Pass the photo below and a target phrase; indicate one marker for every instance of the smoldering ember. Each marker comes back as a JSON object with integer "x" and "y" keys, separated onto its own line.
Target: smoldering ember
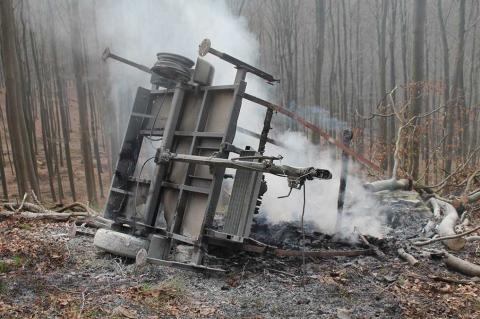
{"x": 239, "y": 159}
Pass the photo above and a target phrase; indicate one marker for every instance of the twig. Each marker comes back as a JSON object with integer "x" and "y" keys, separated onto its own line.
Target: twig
{"x": 407, "y": 257}
{"x": 81, "y": 205}
{"x": 459, "y": 168}
{"x": 243, "y": 269}
{"x": 375, "y": 249}
{"x": 35, "y": 199}
{"x": 434, "y": 240}
{"x": 470, "y": 180}
{"x": 367, "y": 118}
{"x": 281, "y": 272}
{"x": 23, "y": 202}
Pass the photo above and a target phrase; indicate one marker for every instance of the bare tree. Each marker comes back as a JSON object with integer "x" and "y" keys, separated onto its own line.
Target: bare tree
{"x": 416, "y": 91}
{"x": 78, "y": 68}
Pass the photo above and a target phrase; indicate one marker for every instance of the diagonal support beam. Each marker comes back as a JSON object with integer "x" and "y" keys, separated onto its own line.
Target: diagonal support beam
{"x": 314, "y": 128}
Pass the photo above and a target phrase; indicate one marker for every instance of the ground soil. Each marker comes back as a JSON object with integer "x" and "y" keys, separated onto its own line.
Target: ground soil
{"x": 47, "y": 273}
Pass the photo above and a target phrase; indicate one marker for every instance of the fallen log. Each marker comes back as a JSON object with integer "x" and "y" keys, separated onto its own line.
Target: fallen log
{"x": 388, "y": 184}
{"x": 407, "y": 257}
{"x": 447, "y": 226}
{"x": 473, "y": 197}
{"x": 39, "y": 216}
{"x": 434, "y": 240}
{"x": 77, "y": 204}
{"x": 81, "y": 218}
{"x": 373, "y": 248}
{"x": 472, "y": 238}
{"x": 462, "y": 266}
{"x": 26, "y": 206}
{"x": 95, "y": 222}
{"x": 437, "y": 213}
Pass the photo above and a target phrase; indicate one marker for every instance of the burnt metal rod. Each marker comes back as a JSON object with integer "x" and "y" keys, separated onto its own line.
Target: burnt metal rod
{"x": 206, "y": 47}
{"x": 253, "y": 134}
{"x": 107, "y": 54}
{"x": 266, "y": 128}
{"x": 346, "y": 139}
{"x": 284, "y": 170}
{"x": 314, "y": 128}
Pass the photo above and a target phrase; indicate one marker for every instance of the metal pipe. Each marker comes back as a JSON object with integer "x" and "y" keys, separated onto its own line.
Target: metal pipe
{"x": 107, "y": 54}
{"x": 206, "y": 47}
{"x": 264, "y": 166}
{"x": 253, "y": 134}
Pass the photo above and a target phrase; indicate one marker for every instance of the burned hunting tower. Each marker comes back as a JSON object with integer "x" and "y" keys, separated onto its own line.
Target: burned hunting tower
{"x": 192, "y": 125}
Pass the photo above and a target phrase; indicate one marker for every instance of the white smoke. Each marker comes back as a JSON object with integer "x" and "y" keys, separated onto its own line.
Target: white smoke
{"x": 139, "y": 29}
{"x": 361, "y": 213}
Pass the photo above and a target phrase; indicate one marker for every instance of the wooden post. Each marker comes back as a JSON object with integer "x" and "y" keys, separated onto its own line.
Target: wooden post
{"x": 347, "y": 138}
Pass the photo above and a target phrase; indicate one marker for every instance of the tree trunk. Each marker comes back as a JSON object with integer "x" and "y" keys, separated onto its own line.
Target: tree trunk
{"x": 382, "y": 80}
{"x": 78, "y": 68}
{"x": 319, "y": 55}
{"x": 24, "y": 170}
{"x": 419, "y": 19}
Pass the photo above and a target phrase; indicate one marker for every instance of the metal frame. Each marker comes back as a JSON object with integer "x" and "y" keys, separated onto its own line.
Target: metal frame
{"x": 196, "y": 133}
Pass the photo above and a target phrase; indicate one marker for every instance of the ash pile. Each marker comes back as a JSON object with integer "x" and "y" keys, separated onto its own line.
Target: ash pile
{"x": 405, "y": 215}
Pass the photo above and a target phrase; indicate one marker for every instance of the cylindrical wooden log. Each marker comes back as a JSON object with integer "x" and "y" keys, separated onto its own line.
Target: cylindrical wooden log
{"x": 437, "y": 213}
{"x": 388, "y": 184}
{"x": 447, "y": 226}
{"x": 474, "y": 197}
{"x": 462, "y": 266}
{"x": 347, "y": 138}
{"x": 407, "y": 257}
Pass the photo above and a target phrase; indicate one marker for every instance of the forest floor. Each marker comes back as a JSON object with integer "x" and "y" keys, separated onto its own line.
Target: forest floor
{"x": 45, "y": 272}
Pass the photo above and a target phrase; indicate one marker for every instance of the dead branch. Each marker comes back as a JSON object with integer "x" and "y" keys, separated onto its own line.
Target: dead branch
{"x": 322, "y": 253}
{"x": 373, "y": 115}
{"x": 454, "y": 281}
{"x": 31, "y": 211}
{"x": 39, "y": 216}
{"x": 472, "y": 238}
{"x": 388, "y": 184}
{"x": 437, "y": 213}
{"x": 462, "y": 266}
{"x": 27, "y": 206}
{"x": 23, "y": 202}
{"x": 434, "y": 240}
{"x": 374, "y": 248}
{"x": 436, "y": 149}
{"x": 447, "y": 226}
{"x": 78, "y": 204}
{"x": 407, "y": 257}
{"x": 445, "y": 279}
{"x": 443, "y": 182}
{"x": 470, "y": 181}
{"x": 393, "y": 183}
{"x": 475, "y": 196}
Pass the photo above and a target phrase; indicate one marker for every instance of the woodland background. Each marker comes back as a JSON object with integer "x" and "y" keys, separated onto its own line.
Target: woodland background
{"x": 378, "y": 67}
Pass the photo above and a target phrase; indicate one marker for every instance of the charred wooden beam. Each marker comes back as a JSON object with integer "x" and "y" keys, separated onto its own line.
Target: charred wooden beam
{"x": 347, "y": 138}
{"x": 314, "y": 128}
